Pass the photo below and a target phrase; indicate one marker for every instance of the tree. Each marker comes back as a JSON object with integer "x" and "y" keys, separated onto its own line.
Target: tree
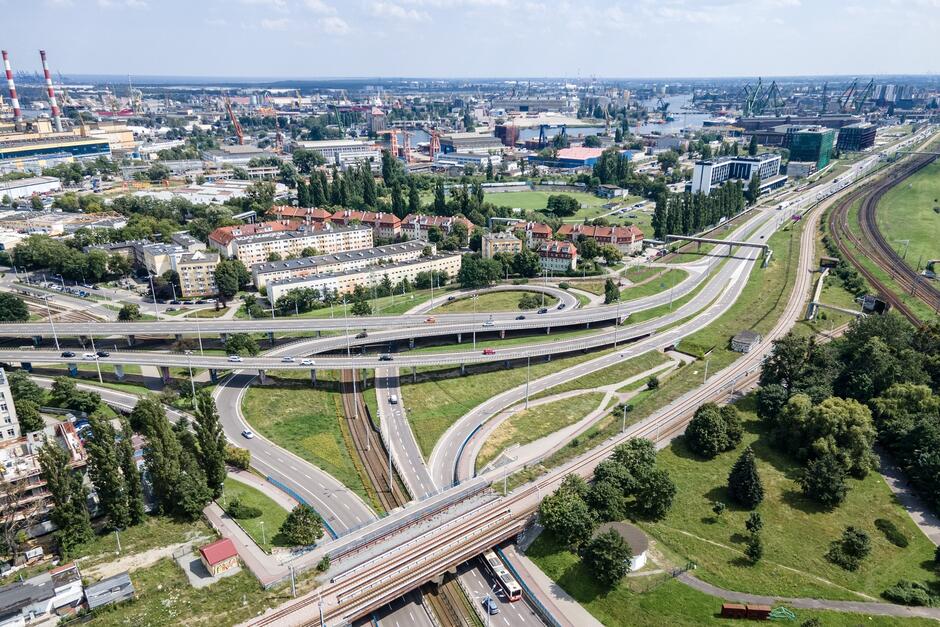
{"x": 211, "y": 439}
{"x": 713, "y": 430}
{"x": 718, "y": 508}
{"x": 824, "y": 481}
{"x": 104, "y": 470}
{"x": 65, "y": 393}
{"x": 611, "y": 254}
{"x": 606, "y": 498}
{"x": 566, "y": 515}
{"x": 754, "y": 550}
{"x": 752, "y": 193}
{"x": 770, "y": 400}
{"x": 529, "y": 301}
{"x": 588, "y": 248}
{"x": 608, "y": 558}
{"x": 563, "y": 205}
{"x": 12, "y": 308}
{"x": 752, "y": 146}
{"x": 744, "y": 484}
{"x": 302, "y": 527}
{"x": 655, "y": 491}
{"x": 652, "y": 383}
{"x": 592, "y": 141}
{"x": 69, "y": 514}
{"x": 241, "y": 344}
{"x": 307, "y": 160}
{"x": 162, "y": 454}
{"x": 476, "y": 272}
{"x": 667, "y": 159}
{"x": 27, "y": 414}
{"x": 526, "y": 263}
{"x": 361, "y": 307}
{"x": 231, "y": 275}
{"x": 849, "y": 550}
{"x": 24, "y": 388}
{"x": 135, "y": 496}
{"x": 611, "y": 291}
{"x": 129, "y": 311}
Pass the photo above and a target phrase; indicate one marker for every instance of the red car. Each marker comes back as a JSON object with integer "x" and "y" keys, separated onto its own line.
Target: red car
{"x": 489, "y": 351}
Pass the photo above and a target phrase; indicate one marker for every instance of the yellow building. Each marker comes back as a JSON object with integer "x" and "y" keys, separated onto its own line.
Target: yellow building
{"x": 504, "y": 242}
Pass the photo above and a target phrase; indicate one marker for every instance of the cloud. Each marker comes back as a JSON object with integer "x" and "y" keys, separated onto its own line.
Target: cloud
{"x": 318, "y": 6}
{"x": 130, "y": 4}
{"x": 394, "y": 11}
{"x": 277, "y": 4}
{"x": 334, "y": 25}
{"x": 279, "y": 24}
{"x": 59, "y": 3}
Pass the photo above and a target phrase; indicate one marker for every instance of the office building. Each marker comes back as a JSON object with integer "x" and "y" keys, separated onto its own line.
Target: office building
{"x": 558, "y": 256}
{"x": 343, "y": 151}
{"x": 347, "y": 261}
{"x": 711, "y": 173}
{"x": 346, "y": 282}
{"x": 812, "y": 144}
{"x": 856, "y": 137}
{"x": 503, "y": 242}
{"x": 627, "y": 239}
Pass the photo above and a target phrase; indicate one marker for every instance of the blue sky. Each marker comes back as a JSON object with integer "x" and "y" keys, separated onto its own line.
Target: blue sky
{"x": 453, "y": 38}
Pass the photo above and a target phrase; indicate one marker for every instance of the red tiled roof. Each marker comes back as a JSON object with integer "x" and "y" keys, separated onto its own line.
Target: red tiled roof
{"x": 559, "y": 248}
{"x": 440, "y": 221}
{"x": 366, "y": 217}
{"x": 218, "y": 551}
{"x": 536, "y": 228}
{"x": 579, "y": 152}
{"x": 300, "y": 212}
{"x": 225, "y": 234}
{"x": 625, "y": 233}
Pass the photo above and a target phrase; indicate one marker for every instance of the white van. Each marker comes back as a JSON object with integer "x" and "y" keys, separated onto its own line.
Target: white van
{"x": 393, "y": 399}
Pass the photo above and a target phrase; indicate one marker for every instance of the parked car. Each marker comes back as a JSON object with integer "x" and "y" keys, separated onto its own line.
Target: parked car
{"x": 234, "y": 358}
{"x": 103, "y": 354}
{"x": 248, "y": 433}
{"x": 489, "y": 351}
{"x": 307, "y": 362}
{"x": 287, "y": 360}
{"x": 68, "y": 354}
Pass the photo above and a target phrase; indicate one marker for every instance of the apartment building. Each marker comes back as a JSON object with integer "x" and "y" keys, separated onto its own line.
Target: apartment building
{"x": 307, "y": 215}
{"x": 262, "y": 273}
{"x": 558, "y": 256}
{"x": 534, "y": 233}
{"x": 223, "y": 238}
{"x": 9, "y": 425}
{"x": 627, "y": 239}
{"x": 197, "y": 272}
{"x": 503, "y": 242}
{"x": 326, "y": 240}
{"x": 417, "y": 225}
{"x": 385, "y": 225}
{"x": 345, "y": 282}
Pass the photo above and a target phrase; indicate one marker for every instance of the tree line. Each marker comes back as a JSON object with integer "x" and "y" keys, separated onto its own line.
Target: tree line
{"x": 685, "y": 213}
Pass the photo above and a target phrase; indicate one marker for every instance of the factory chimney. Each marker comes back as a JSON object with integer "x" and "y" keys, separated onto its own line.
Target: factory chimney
{"x": 56, "y": 114}
{"x": 14, "y": 101}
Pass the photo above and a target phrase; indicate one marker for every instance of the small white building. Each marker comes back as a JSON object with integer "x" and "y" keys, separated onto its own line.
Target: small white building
{"x": 461, "y": 159}
{"x": 633, "y": 536}
{"x": 25, "y": 188}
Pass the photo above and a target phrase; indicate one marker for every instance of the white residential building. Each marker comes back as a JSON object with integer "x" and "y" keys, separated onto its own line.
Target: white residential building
{"x": 9, "y": 425}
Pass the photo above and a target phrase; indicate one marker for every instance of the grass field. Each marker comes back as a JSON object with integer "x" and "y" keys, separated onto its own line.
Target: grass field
{"x": 591, "y": 205}
{"x": 528, "y": 425}
{"x": 385, "y": 306}
{"x": 658, "y": 600}
{"x": 610, "y": 375}
{"x": 911, "y": 211}
{"x": 667, "y": 281}
{"x": 492, "y": 301}
{"x": 208, "y": 313}
{"x": 272, "y": 515}
{"x": 434, "y": 405}
{"x": 797, "y": 532}
{"x": 308, "y": 422}
{"x": 509, "y": 342}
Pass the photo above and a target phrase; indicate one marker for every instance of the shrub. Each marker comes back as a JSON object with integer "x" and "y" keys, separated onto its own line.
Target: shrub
{"x": 909, "y": 593}
{"x": 755, "y": 548}
{"x": 849, "y": 550}
{"x": 324, "y": 564}
{"x": 238, "y": 510}
{"x": 652, "y": 383}
{"x": 237, "y": 456}
{"x": 564, "y": 285}
{"x": 892, "y": 533}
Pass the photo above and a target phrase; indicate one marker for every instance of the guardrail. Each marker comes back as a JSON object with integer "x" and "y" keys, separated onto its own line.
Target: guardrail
{"x": 290, "y": 492}
{"x": 540, "y": 609}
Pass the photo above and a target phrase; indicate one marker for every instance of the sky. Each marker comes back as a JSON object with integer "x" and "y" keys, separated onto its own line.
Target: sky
{"x": 474, "y": 38}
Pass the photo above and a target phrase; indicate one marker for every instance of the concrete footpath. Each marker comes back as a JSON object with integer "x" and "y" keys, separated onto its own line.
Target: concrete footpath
{"x": 262, "y": 565}
{"x": 265, "y": 487}
{"x": 927, "y": 521}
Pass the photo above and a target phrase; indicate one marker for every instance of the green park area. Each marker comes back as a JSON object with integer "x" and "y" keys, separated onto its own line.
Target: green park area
{"x": 908, "y": 216}
{"x": 608, "y": 376}
{"x": 591, "y": 206}
{"x": 654, "y": 284}
{"x": 495, "y": 301}
{"x": 309, "y": 422}
{"x": 263, "y": 527}
{"x": 528, "y": 425}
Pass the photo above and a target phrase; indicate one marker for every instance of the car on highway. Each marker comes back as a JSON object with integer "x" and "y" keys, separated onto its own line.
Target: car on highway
{"x": 489, "y": 323}
{"x": 430, "y": 320}
{"x": 287, "y": 360}
{"x": 362, "y": 335}
{"x": 543, "y": 310}
{"x": 520, "y": 317}
{"x": 248, "y": 434}
{"x": 489, "y": 351}
{"x": 307, "y": 362}
{"x": 89, "y": 356}
{"x": 234, "y": 358}
{"x": 561, "y": 306}
{"x": 385, "y": 357}
{"x": 103, "y": 354}
{"x": 68, "y": 354}
{"x": 450, "y": 298}
{"x": 393, "y": 399}
{"x": 489, "y": 604}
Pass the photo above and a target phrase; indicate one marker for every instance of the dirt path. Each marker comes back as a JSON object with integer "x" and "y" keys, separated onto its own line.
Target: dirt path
{"x": 139, "y": 560}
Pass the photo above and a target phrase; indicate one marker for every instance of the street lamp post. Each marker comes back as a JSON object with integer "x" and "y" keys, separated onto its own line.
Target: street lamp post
{"x": 153, "y": 294}
{"x": 192, "y": 382}
{"x": 528, "y": 367}
{"x": 55, "y": 336}
{"x": 263, "y": 538}
{"x": 623, "y": 425}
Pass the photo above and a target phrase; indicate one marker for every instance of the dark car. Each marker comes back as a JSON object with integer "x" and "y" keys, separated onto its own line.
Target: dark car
{"x": 361, "y": 335}
{"x": 561, "y": 305}
{"x": 543, "y": 310}
{"x": 385, "y": 357}
{"x": 68, "y": 354}
{"x": 103, "y": 354}
{"x": 520, "y": 317}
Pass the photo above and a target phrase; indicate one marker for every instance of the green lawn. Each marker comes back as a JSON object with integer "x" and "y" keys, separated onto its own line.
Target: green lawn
{"x": 209, "y": 313}
{"x": 911, "y": 211}
{"x": 385, "y": 306}
{"x": 667, "y": 281}
{"x": 492, "y": 301}
{"x": 309, "y": 422}
{"x": 434, "y": 405}
{"x": 658, "y": 600}
{"x": 640, "y": 273}
{"x": 797, "y": 532}
{"x": 509, "y": 342}
{"x": 610, "y": 375}
{"x": 272, "y": 516}
{"x": 594, "y": 287}
{"x": 536, "y": 201}
{"x": 528, "y": 425}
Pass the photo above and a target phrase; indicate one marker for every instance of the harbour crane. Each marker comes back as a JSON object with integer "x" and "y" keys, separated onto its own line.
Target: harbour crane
{"x": 235, "y": 123}
{"x": 825, "y": 98}
{"x": 859, "y": 101}
{"x": 847, "y": 96}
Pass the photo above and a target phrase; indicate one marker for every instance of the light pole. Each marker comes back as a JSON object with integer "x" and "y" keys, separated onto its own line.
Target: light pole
{"x": 263, "y": 538}
{"x": 192, "y": 382}
{"x": 98, "y": 366}
{"x": 153, "y": 294}
{"x": 706, "y": 372}
{"x": 623, "y": 424}
{"x": 199, "y": 334}
{"x": 474, "y": 297}
{"x": 55, "y": 336}
{"x": 528, "y": 367}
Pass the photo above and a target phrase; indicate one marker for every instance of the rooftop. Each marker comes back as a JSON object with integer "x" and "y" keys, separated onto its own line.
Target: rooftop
{"x": 218, "y": 551}
{"x": 377, "y": 270}
{"x": 579, "y": 152}
{"x": 633, "y": 536}
{"x": 33, "y": 180}
{"x": 379, "y": 252}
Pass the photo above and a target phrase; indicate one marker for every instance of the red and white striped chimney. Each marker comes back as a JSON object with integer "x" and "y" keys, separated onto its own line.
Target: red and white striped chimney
{"x": 14, "y": 101}
{"x": 56, "y": 114}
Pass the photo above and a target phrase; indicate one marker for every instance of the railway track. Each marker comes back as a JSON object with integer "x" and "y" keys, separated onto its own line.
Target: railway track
{"x": 873, "y": 244}
{"x": 445, "y": 600}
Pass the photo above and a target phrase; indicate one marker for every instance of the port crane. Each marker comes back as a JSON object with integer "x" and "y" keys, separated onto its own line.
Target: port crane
{"x": 235, "y": 123}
